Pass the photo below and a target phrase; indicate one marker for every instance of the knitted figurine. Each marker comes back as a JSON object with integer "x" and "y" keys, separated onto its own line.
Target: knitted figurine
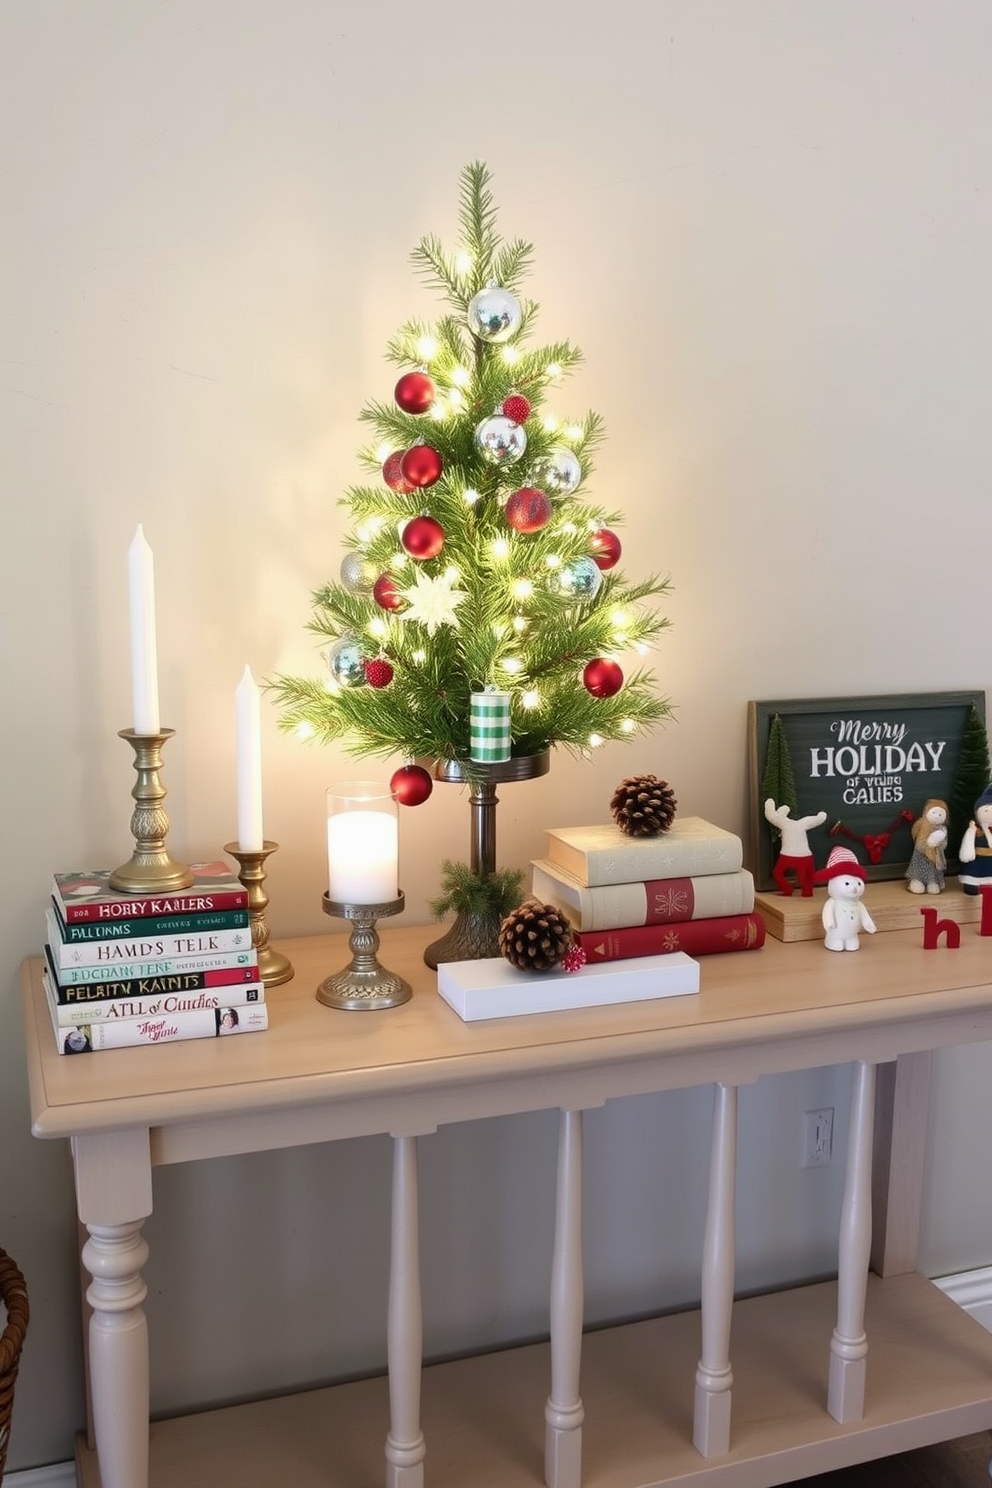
{"x": 926, "y": 866}
{"x": 843, "y": 913}
{"x": 795, "y": 856}
{"x": 975, "y": 852}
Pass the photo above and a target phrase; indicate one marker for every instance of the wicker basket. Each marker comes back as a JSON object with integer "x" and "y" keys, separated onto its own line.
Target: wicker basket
{"x": 14, "y": 1295}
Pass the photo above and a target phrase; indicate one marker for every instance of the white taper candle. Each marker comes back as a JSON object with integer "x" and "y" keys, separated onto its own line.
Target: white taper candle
{"x": 144, "y": 663}
{"x": 249, "y": 755}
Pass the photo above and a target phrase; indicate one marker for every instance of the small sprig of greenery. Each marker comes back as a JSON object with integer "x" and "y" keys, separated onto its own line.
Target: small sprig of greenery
{"x": 466, "y": 892}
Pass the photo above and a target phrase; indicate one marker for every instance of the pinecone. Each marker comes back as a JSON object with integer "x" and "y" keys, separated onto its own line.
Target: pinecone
{"x": 643, "y": 806}
{"x": 535, "y": 936}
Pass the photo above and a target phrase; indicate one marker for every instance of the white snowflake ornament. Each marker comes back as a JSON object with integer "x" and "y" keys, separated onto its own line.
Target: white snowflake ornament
{"x": 432, "y": 601}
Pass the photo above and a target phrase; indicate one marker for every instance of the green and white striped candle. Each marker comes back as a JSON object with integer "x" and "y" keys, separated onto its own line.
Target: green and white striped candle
{"x": 489, "y": 727}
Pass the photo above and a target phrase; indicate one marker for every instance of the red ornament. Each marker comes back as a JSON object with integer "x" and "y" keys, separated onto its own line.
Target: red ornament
{"x": 604, "y": 546}
{"x": 378, "y": 672}
{"x": 573, "y": 960}
{"x": 392, "y": 474}
{"x": 411, "y": 785}
{"x": 422, "y": 537}
{"x": 517, "y": 408}
{"x": 602, "y": 678}
{"x": 414, "y": 392}
{"x": 421, "y": 465}
{"x": 386, "y": 594}
{"x": 528, "y": 510}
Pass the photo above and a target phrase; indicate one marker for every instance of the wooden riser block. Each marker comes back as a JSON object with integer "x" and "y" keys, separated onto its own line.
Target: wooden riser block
{"x": 890, "y": 905}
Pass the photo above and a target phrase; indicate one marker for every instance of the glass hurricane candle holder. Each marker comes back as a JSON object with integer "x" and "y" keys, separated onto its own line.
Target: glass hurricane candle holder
{"x": 362, "y": 867}
{"x": 362, "y": 843}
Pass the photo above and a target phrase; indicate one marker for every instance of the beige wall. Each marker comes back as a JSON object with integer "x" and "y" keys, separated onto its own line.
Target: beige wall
{"x": 768, "y": 224}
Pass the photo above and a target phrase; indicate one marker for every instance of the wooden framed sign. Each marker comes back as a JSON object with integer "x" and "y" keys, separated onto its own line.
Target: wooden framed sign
{"x": 871, "y": 763}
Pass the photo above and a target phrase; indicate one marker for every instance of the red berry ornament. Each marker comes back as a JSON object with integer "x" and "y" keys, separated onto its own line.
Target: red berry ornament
{"x": 528, "y": 510}
{"x": 605, "y": 549}
{"x": 378, "y": 672}
{"x": 423, "y": 537}
{"x": 414, "y": 392}
{"x": 573, "y": 960}
{"x": 386, "y": 594}
{"x": 411, "y": 785}
{"x": 602, "y": 678}
{"x": 392, "y": 474}
{"x": 421, "y": 465}
{"x": 517, "y": 408}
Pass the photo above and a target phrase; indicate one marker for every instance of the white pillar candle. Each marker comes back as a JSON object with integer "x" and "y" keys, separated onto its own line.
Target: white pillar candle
{"x": 144, "y": 664}
{"x": 247, "y": 701}
{"x": 362, "y": 857}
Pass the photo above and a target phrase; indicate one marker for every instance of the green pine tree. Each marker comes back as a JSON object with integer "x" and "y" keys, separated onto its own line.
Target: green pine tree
{"x": 778, "y": 780}
{"x": 472, "y": 552}
{"x": 970, "y": 778}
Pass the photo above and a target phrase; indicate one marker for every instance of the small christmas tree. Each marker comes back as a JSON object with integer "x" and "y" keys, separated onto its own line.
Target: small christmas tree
{"x": 778, "y": 780}
{"x": 970, "y": 778}
{"x": 475, "y": 559}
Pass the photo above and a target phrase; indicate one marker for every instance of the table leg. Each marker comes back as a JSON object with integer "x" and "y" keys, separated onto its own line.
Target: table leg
{"x": 113, "y": 1194}
{"x": 405, "y": 1446}
{"x": 849, "y": 1345}
{"x": 714, "y": 1377}
{"x": 564, "y": 1412}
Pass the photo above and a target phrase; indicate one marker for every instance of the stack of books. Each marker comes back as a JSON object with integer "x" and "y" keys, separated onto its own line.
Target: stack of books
{"x": 684, "y": 890}
{"x": 127, "y": 969}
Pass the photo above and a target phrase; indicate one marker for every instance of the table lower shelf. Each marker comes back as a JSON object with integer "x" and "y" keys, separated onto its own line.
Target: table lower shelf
{"x": 929, "y": 1380}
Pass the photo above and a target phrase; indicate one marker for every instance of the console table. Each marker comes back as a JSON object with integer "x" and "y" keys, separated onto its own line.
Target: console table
{"x": 744, "y": 1394}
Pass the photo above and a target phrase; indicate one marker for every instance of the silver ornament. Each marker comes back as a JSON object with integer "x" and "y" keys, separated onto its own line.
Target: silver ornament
{"x": 580, "y": 579}
{"x": 344, "y": 663}
{"x": 358, "y": 574}
{"x": 500, "y": 441}
{"x": 494, "y": 314}
{"x": 560, "y": 471}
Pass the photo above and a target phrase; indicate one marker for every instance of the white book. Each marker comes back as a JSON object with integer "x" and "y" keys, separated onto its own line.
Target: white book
{"x": 167, "y": 1004}
{"x": 122, "y": 1033}
{"x": 603, "y": 854}
{"x": 492, "y": 988}
{"x": 656, "y": 902}
{"x": 74, "y": 976}
{"x": 121, "y": 953}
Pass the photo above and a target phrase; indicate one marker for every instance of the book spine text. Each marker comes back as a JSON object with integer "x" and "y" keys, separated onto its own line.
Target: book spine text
{"x": 225, "y": 919}
{"x": 109, "y": 911}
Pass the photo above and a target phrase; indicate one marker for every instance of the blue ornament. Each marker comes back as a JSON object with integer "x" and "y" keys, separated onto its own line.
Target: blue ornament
{"x": 344, "y": 663}
{"x": 581, "y": 579}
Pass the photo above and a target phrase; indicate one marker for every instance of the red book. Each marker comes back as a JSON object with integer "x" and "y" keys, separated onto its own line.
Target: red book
{"x": 745, "y": 932}
{"x": 84, "y": 898}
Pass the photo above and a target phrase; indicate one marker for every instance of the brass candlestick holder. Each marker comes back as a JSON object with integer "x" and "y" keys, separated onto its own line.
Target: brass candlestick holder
{"x": 364, "y": 984}
{"x": 150, "y": 869}
{"x": 274, "y": 968}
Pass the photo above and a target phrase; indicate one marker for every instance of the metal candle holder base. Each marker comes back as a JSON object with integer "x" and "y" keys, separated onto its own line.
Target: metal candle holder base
{"x": 363, "y": 984}
{"x": 150, "y": 869}
{"x": 474, "y": 937}
{"x": 273, "y": 967}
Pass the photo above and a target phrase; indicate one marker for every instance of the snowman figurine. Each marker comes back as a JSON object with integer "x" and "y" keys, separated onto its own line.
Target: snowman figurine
{"x": 844, "y": 915}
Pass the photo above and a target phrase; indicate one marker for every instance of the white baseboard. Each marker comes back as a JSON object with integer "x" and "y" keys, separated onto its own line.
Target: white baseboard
{"x": 971, "y": 1290}
{"x": 59, "y": 1475}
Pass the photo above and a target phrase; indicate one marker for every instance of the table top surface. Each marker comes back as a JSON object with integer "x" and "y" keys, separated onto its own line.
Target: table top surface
{"x": 808, "y": 1005}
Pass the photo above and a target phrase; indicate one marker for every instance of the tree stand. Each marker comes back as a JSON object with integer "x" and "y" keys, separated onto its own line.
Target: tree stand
{"x": 475, "y": 936}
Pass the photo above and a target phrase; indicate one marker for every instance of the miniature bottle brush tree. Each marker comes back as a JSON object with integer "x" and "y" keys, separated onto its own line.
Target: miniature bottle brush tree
{"x": 475, "y": 558}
